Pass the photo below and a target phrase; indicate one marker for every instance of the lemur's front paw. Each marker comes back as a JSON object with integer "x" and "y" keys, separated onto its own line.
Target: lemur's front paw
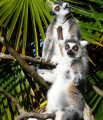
{"x": 55, "y": 63}
{"x": 77, "y": 81}
{"x": 38, "y": 57}
{"x": 42, "y": 58}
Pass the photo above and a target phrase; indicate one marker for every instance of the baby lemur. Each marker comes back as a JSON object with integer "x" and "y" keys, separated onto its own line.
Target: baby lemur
{"x": 66, "y": 95}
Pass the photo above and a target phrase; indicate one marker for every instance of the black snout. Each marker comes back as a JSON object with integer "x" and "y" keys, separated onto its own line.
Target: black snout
{"x": 70, "y": 53}
{"x": 52, "y": 13}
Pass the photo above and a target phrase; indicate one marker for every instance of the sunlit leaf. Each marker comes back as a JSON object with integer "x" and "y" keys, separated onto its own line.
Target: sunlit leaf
{"x": 25, "y": 26}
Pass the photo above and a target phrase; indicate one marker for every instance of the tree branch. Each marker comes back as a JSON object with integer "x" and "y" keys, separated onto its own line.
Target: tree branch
{"x": 29, "y": 69}
{"x": 96, "y": 89}
{"x": 28, "y": 58}
{"x": 24, "y": 114}
{"x": 13, "y": 100}
{"x": 35, "y": 115}
{"x": 36, "y": 61}
{"x": 87, "y": 113}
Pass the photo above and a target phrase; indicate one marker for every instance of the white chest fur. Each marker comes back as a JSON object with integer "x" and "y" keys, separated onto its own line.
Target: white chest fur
{"x": 66, "y": 35}
{"x": 65, "y": 30}
{"x": 57, "y": 95}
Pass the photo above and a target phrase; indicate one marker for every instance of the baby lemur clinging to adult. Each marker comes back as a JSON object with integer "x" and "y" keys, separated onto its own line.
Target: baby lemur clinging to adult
{"x": 66, "y": 95}
{"x": 62, "y": 17}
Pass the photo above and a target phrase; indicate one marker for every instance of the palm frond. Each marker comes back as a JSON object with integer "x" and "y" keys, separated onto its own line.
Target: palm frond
{"x": 15, "y": 14}
{"x": 15, "y": 83}
{"x": 94, "y": 100}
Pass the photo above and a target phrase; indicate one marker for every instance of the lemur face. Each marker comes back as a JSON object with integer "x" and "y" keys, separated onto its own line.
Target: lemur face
{"x": 60, "y": 8}
{"x": 73, "y": 48}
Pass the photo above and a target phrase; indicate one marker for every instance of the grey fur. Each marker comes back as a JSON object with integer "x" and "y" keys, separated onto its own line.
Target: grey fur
{"x": 67, "y": 74}
{"x": 72, "y": 41}
{"x": 66, "y": 95}
{"x": 69, "y": 28}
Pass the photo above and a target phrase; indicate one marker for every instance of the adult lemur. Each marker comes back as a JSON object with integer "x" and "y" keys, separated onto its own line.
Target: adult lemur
{"x": 66, "y": 95}
{"x": 62, "y": 17}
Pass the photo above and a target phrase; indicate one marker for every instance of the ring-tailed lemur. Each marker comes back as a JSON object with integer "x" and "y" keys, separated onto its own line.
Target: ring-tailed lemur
{"x": 66, "y": 95}
{"x": 62, "y": 17}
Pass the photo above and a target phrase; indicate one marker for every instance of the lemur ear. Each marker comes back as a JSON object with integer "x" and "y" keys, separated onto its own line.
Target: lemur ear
{"x": 61, "y": 42}
{"x": 84, "y": 43}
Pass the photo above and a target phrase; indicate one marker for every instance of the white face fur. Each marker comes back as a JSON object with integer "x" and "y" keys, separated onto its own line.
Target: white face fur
{"x": 72, "y": 50}
{"x": 61, "y": 10}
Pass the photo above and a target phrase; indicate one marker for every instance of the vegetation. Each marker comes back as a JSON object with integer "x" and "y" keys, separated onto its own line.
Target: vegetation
{"x": 26, "y": 22}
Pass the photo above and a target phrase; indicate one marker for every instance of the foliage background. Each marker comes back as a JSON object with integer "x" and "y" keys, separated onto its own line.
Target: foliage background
{"x": 26, "y": 22}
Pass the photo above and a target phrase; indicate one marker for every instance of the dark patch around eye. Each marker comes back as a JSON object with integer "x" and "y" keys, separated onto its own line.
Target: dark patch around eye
{"x": 57, "y": 8}
{"x": 75, "y": 48}
{"x": 67, "y": 46}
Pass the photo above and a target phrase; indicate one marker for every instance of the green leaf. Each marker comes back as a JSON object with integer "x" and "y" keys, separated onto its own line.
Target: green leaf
{"x": 37, "y": 17}
{"x": 34, "y": 29}
{"x": 89, "y": 26}
{"x": 25, "y": 26}
{"x": 97, "y": 1}
{"x": 96, "y": 17}
{"x": 13, "y": 81}
{"x": 41, "y": 14}
{"x": 19, "y": 29}
{"x": 46, "y": 13}
{"x": 84, "y": 32}
{"x": 6, "y": 10}
{"x": 85, "y": 12}
{"x": 77, "y": 2}
{"x": 14, "y": 20}
{"x": 91, "y": 40}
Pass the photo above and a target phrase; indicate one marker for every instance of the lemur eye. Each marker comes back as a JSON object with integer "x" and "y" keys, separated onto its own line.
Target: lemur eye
{"x": 67, "y": 46}
{"x": 57, "y": 8}
{"x": 75, "y": 47}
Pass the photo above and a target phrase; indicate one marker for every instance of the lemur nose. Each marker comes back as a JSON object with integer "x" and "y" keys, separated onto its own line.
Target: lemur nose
{"x": 70, "y": 53}
{"x": 52, "y": 13}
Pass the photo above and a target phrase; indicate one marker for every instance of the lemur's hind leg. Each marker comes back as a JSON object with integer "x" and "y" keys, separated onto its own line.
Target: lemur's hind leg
{"x": 71, "y": 113}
